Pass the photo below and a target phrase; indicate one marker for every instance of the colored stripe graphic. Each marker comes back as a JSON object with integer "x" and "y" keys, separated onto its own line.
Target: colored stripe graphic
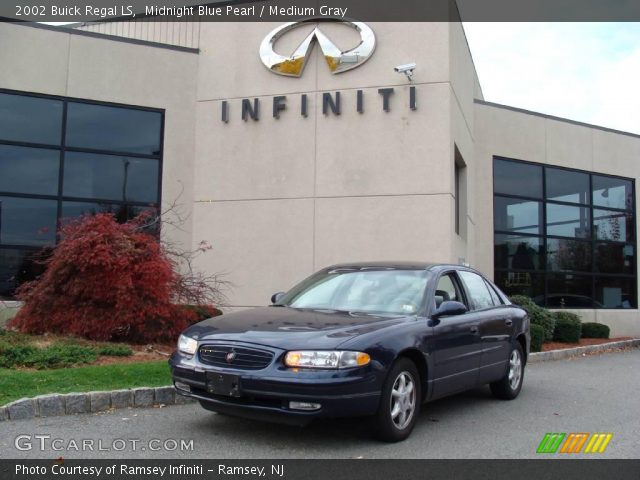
{"x": 598, "y": 443}
{"x": 550, "y": 443}
{"x": 573, "y": 442}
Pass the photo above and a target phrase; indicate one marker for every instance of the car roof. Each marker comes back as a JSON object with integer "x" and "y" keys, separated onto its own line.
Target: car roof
{"x": 400, "y": 265}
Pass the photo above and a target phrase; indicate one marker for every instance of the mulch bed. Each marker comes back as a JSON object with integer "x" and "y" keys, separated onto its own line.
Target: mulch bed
{"x": 583, "y": 343}
{"x": 141, "y": 353}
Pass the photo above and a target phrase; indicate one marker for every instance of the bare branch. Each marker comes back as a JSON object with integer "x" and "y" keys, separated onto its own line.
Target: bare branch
{"x": 192, "y": 286}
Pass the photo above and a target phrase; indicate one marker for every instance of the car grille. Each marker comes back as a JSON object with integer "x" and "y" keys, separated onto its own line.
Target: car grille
{"x": 235, "y": 357}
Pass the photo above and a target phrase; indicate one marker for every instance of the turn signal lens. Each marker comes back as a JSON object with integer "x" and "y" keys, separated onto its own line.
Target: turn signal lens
{"x": 354, "y": 359}
{"x": 326, "y": 359}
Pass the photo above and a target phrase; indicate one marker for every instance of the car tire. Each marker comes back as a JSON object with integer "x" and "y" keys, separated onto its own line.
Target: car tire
{"x": 399, "y": 403}
{"x": 509, "y": 386}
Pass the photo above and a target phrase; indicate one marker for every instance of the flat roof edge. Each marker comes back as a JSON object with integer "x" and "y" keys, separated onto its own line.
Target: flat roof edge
{"x": 113, "y": 38}
{"x": 553, "y": 117}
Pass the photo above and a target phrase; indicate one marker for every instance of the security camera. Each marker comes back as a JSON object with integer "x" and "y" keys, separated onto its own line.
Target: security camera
{"x": 407, "y": 69}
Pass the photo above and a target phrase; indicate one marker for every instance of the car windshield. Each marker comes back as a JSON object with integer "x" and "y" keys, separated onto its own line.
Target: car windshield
{"x": 388, "y": 291}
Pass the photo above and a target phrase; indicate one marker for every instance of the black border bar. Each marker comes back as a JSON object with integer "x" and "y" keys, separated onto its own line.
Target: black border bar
{"x": 80, "y": 11}
{"x": 565, "y": 469}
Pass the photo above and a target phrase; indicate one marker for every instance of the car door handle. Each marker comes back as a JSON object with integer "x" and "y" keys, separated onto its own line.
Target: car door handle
{"x": 474, "y": 329}
{"x": 508, "y": 322}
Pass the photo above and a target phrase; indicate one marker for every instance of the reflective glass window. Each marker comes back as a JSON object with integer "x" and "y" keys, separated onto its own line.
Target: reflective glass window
{"x": 27, "y": 221}
{"x": 567, "y": 186}
{"x": 101, "y": 127}
{"x": 517, "y": 215}
{"x": 612, "y": 192}
{"x": 122, "y": 213}
{"x": 515, "y": 178}
{"x": 29, "y": 170}
{"x": 570, "y": 291}
{"x": 612, "y": 225}
{"x": 18, "y": 266}
{"x": 568, "y": 255}
{"x": 568, "y": 221}
{"x": 615, "y": 292}
{"x": 30, "y": 119}
{"x": 614, "y": 258}
{"x": 110, "y": 177}
{"x": 518, "y": 252}
{"x": 522, "y": 283}
{"x": 580, "y": 237}
{"x": 110, "y": 159}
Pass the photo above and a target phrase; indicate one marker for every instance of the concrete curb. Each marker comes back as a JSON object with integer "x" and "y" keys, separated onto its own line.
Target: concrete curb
{"x": 52, "y": 405}
{"x": 579, "y": 351}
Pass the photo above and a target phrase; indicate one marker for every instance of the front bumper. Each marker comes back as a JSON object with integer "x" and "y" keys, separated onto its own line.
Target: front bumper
{"x": 266, "y": 394}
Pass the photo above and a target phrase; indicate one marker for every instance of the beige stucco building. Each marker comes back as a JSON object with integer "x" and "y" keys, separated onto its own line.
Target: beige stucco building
{"x": 279, "y": 198}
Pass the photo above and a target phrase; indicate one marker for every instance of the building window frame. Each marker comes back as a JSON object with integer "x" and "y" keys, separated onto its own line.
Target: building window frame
{"x": 544, "y": 270}
{"x": 62, "y": 149}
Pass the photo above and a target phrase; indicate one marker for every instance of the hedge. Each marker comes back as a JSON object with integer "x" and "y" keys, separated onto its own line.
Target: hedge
{"x": 568, "y": 327}
{"x": 537, "y": 315}
{"x": 537, "y": 337}
{"x": 595, "y": 330}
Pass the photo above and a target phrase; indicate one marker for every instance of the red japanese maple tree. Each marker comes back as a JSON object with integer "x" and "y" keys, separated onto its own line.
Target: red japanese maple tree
{"x": 106, "y": 280}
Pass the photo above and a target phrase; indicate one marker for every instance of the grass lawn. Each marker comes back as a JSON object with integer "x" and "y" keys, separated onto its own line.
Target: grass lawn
{"x": 15, "y": 384}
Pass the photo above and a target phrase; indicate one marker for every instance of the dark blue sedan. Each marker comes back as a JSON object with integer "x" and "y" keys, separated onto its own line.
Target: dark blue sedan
{"x": 368, "y": 339}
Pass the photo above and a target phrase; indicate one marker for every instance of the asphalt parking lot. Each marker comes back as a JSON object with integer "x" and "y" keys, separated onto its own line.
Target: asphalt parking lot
{"x": 588, "y": 394}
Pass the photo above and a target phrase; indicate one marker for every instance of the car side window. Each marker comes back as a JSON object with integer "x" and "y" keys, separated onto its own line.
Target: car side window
{"x": 494, "y": 295}
{"x": 447, "y": 290}
{"x": 478, "y": 291}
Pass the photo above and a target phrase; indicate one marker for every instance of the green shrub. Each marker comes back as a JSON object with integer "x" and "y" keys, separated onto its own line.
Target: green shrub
{"x": 60, "y": 356}
{"x": 12, "y": 355}
{"x": 521, "y": 300}
{"x": 53, "y": 356}
{"x": 568, "y": 327}
{"x": 595, "y": 330}
{"x": 537, "y": 315}
{"x": 114, "y": 350}
{"x": 537, "y": 337}
{"x": 13, "y": 337}
{"x": 22, "y": 350}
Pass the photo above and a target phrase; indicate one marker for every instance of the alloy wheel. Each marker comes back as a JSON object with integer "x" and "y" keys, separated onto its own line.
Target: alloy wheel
{"x": 403, "y": 400}
{"x": 515, "y": 369}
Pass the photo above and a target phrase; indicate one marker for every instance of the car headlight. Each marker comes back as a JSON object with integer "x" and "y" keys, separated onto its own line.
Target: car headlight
{"x": 326, "y": 359}
{"x": 187, "y": 345}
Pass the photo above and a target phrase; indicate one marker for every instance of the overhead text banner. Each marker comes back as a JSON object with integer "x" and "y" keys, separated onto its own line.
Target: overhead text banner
{"x": 291, "y": 10}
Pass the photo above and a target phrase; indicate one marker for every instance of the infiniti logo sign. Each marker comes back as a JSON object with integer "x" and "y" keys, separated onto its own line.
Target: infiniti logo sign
{"x": 330, "y": 103}
{"x": 337, "y": 60}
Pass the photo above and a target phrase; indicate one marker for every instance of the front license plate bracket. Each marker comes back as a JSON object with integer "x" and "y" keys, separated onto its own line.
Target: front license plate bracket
{"x": 223, "y": 384}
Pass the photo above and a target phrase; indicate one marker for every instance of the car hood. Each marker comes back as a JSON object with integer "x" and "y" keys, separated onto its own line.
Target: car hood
{"x": 291, "y": 328}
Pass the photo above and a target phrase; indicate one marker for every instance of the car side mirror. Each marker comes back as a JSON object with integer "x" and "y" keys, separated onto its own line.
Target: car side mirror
{"x": 449, "y": 308}
{"x": 275, "y": 298}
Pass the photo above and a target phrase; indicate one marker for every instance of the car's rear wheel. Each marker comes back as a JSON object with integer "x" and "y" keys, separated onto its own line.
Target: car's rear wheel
{"x": 399, "y": 403}
{"x": 509, "y": 386}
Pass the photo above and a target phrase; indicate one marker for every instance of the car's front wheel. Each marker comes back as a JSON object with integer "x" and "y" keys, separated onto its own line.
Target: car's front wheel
{"x": 509, "y": 386}
{"x": 399, "y": 403}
